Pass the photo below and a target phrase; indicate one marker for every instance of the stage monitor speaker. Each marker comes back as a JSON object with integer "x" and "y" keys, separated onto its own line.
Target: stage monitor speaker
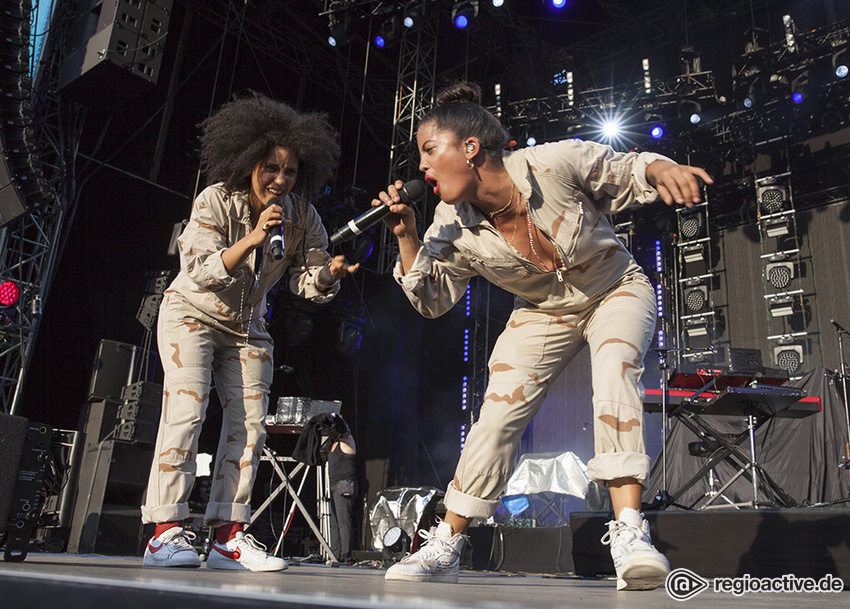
{"x": 521, "y": 549}
{"x": 117, "y": 365}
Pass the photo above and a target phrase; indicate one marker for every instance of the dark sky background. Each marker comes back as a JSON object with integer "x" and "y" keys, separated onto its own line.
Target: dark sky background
{"x": 401, "y": 389}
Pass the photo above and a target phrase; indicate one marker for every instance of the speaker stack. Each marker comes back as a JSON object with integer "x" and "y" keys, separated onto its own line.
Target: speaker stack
{"x": 120, "y": 422}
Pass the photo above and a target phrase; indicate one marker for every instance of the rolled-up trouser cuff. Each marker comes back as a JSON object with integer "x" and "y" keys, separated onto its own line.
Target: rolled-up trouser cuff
{"x": 610, "y": 466}
{"x": 467, "y": 505}
{"x": 165, "y": 513}
{"x": 227, "y": 512}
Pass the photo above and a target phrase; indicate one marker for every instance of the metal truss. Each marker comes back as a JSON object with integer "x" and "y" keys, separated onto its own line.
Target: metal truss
{"x": 30, "y": 246}
{"x": 415, "y": 86}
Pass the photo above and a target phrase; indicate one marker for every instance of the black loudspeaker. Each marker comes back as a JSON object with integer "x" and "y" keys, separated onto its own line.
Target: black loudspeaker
{"x": 521, "y": 549}
{"x": 120, "y": 425}
{"x": 115, "y": 50}
{"x": 13, "y": 431}
{"x": 12, "y": 203}
{"x": 117, "y": 365}
{"x": 27, "y": 447}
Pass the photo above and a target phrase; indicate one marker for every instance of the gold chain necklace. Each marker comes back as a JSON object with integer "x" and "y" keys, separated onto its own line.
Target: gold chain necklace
{"x": 536, "y": 255}
{"x": 505, "y": 208}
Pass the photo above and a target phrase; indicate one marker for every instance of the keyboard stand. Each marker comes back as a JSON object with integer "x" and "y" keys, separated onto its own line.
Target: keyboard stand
{"x": 758, "y": 409}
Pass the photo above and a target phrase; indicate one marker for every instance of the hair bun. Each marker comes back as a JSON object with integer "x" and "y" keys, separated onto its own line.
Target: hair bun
{"x": 459, "y": 93}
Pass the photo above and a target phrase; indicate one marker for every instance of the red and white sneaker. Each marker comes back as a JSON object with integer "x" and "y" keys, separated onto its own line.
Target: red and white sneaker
{"x": 173, "y": 548}
{"x": 243, "y": 553}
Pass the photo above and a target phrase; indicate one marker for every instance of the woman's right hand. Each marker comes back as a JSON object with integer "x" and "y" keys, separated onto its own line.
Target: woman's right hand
{"x": 401, "y": 221}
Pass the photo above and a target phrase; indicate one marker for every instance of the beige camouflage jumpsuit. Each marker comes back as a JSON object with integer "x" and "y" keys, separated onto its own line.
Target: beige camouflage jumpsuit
{"x": 599, "y": 297}
{"x": 211, "y": 326}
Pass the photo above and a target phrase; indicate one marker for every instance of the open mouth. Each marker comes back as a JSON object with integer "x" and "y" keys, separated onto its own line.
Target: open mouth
{"x": 433, "y": 183}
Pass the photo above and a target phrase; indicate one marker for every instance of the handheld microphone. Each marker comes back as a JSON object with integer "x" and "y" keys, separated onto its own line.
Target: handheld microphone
{"x": 410, "y": 193}
{"x": 277, "y": 236}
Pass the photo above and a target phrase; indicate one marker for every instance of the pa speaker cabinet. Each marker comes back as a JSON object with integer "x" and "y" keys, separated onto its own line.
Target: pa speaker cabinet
{"x": 521, "y": 549}
{"x": 116, "y": 365}
{"x": 13, "y": 432}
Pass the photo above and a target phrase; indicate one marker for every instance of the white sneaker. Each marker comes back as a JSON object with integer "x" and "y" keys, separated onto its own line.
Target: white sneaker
{"x": 438, "y": 560}
{"x": 243, "y": 553}
{"x": 172, "y": 548}
{"x": 638, "y": 564}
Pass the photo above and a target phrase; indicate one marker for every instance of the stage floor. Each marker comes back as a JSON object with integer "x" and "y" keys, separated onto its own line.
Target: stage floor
{"x": 67, "y": 581}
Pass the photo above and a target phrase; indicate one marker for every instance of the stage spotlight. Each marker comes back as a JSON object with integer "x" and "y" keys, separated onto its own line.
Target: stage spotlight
{"x": 611, "y": 128}
{"x": 772, "y": 197}
{"x": 559, "y": 3}
{"x": 779, "y": 274}
{"x": 9, "y": 294}
{"x": 387, "y": 32}
{"x": 657, "y": 132}
{"x": 463, "y": 13}
{"x": 788, "y": 357}
{"x": 691, "y": 224}
{"x": 839, "y": 64}
{"x": 414, "y": 12}
{"x": 350, "y": 335}
{"x": 396, "y": 545}
{"x": 531, "y": 141}
{"x": 695, "y": 298}
{"x": 498, "y": 3}
{"x": 341, "y": 34}
{"x": 690, "y": 109}
{"x": 800, "y": 88}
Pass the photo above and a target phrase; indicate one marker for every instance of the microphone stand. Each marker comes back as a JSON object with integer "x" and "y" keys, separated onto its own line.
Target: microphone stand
{"x": 845, "y": 461}
{"x": 662, "y": 497}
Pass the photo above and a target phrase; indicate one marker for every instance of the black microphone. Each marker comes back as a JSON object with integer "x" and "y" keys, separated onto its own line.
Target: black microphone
{"x": 277, "y": 236}
{"x": 839, "y": 326}
{"x": 410, "y": 193}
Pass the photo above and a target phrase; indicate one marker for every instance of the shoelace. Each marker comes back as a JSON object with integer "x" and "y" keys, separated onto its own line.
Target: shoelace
{"x": 254, "y": 544}
{"x": 182, "y": 539}
{"x": 619, "y": 529}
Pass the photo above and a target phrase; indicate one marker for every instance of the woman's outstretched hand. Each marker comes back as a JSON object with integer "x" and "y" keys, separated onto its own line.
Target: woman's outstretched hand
{"x": 676, "y": 184}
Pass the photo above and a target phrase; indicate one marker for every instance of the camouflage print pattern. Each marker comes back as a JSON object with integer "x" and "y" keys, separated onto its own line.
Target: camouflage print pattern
{"x": 193, "y": 355}
{"x": 600, "y": 296}
{"x": 533, "y": 350}
{"x": 205, "y": 320}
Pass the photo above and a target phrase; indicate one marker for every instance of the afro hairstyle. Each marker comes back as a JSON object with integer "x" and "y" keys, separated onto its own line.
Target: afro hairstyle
{"x": 243, "y": 132}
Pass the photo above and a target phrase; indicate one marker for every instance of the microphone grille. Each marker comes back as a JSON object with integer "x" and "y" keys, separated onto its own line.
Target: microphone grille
{"x": 412, "y": 191}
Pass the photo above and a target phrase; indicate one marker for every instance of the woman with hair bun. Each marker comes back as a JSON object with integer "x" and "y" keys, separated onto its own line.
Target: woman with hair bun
{"x": 532, "y": 222}
{"x": 264, "y": 161}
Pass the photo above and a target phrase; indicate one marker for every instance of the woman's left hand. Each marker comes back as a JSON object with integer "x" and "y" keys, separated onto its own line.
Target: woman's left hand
{"x": 339, "y": 267}
{"x": 335, "y": 270}
{"x": 676, "y": 183}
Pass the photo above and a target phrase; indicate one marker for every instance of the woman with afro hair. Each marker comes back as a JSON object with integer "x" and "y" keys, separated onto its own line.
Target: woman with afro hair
{"x": 264, "y": 161}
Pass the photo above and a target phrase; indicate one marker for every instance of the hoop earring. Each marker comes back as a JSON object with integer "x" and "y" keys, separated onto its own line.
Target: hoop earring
{"x": 470, "y": 164}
